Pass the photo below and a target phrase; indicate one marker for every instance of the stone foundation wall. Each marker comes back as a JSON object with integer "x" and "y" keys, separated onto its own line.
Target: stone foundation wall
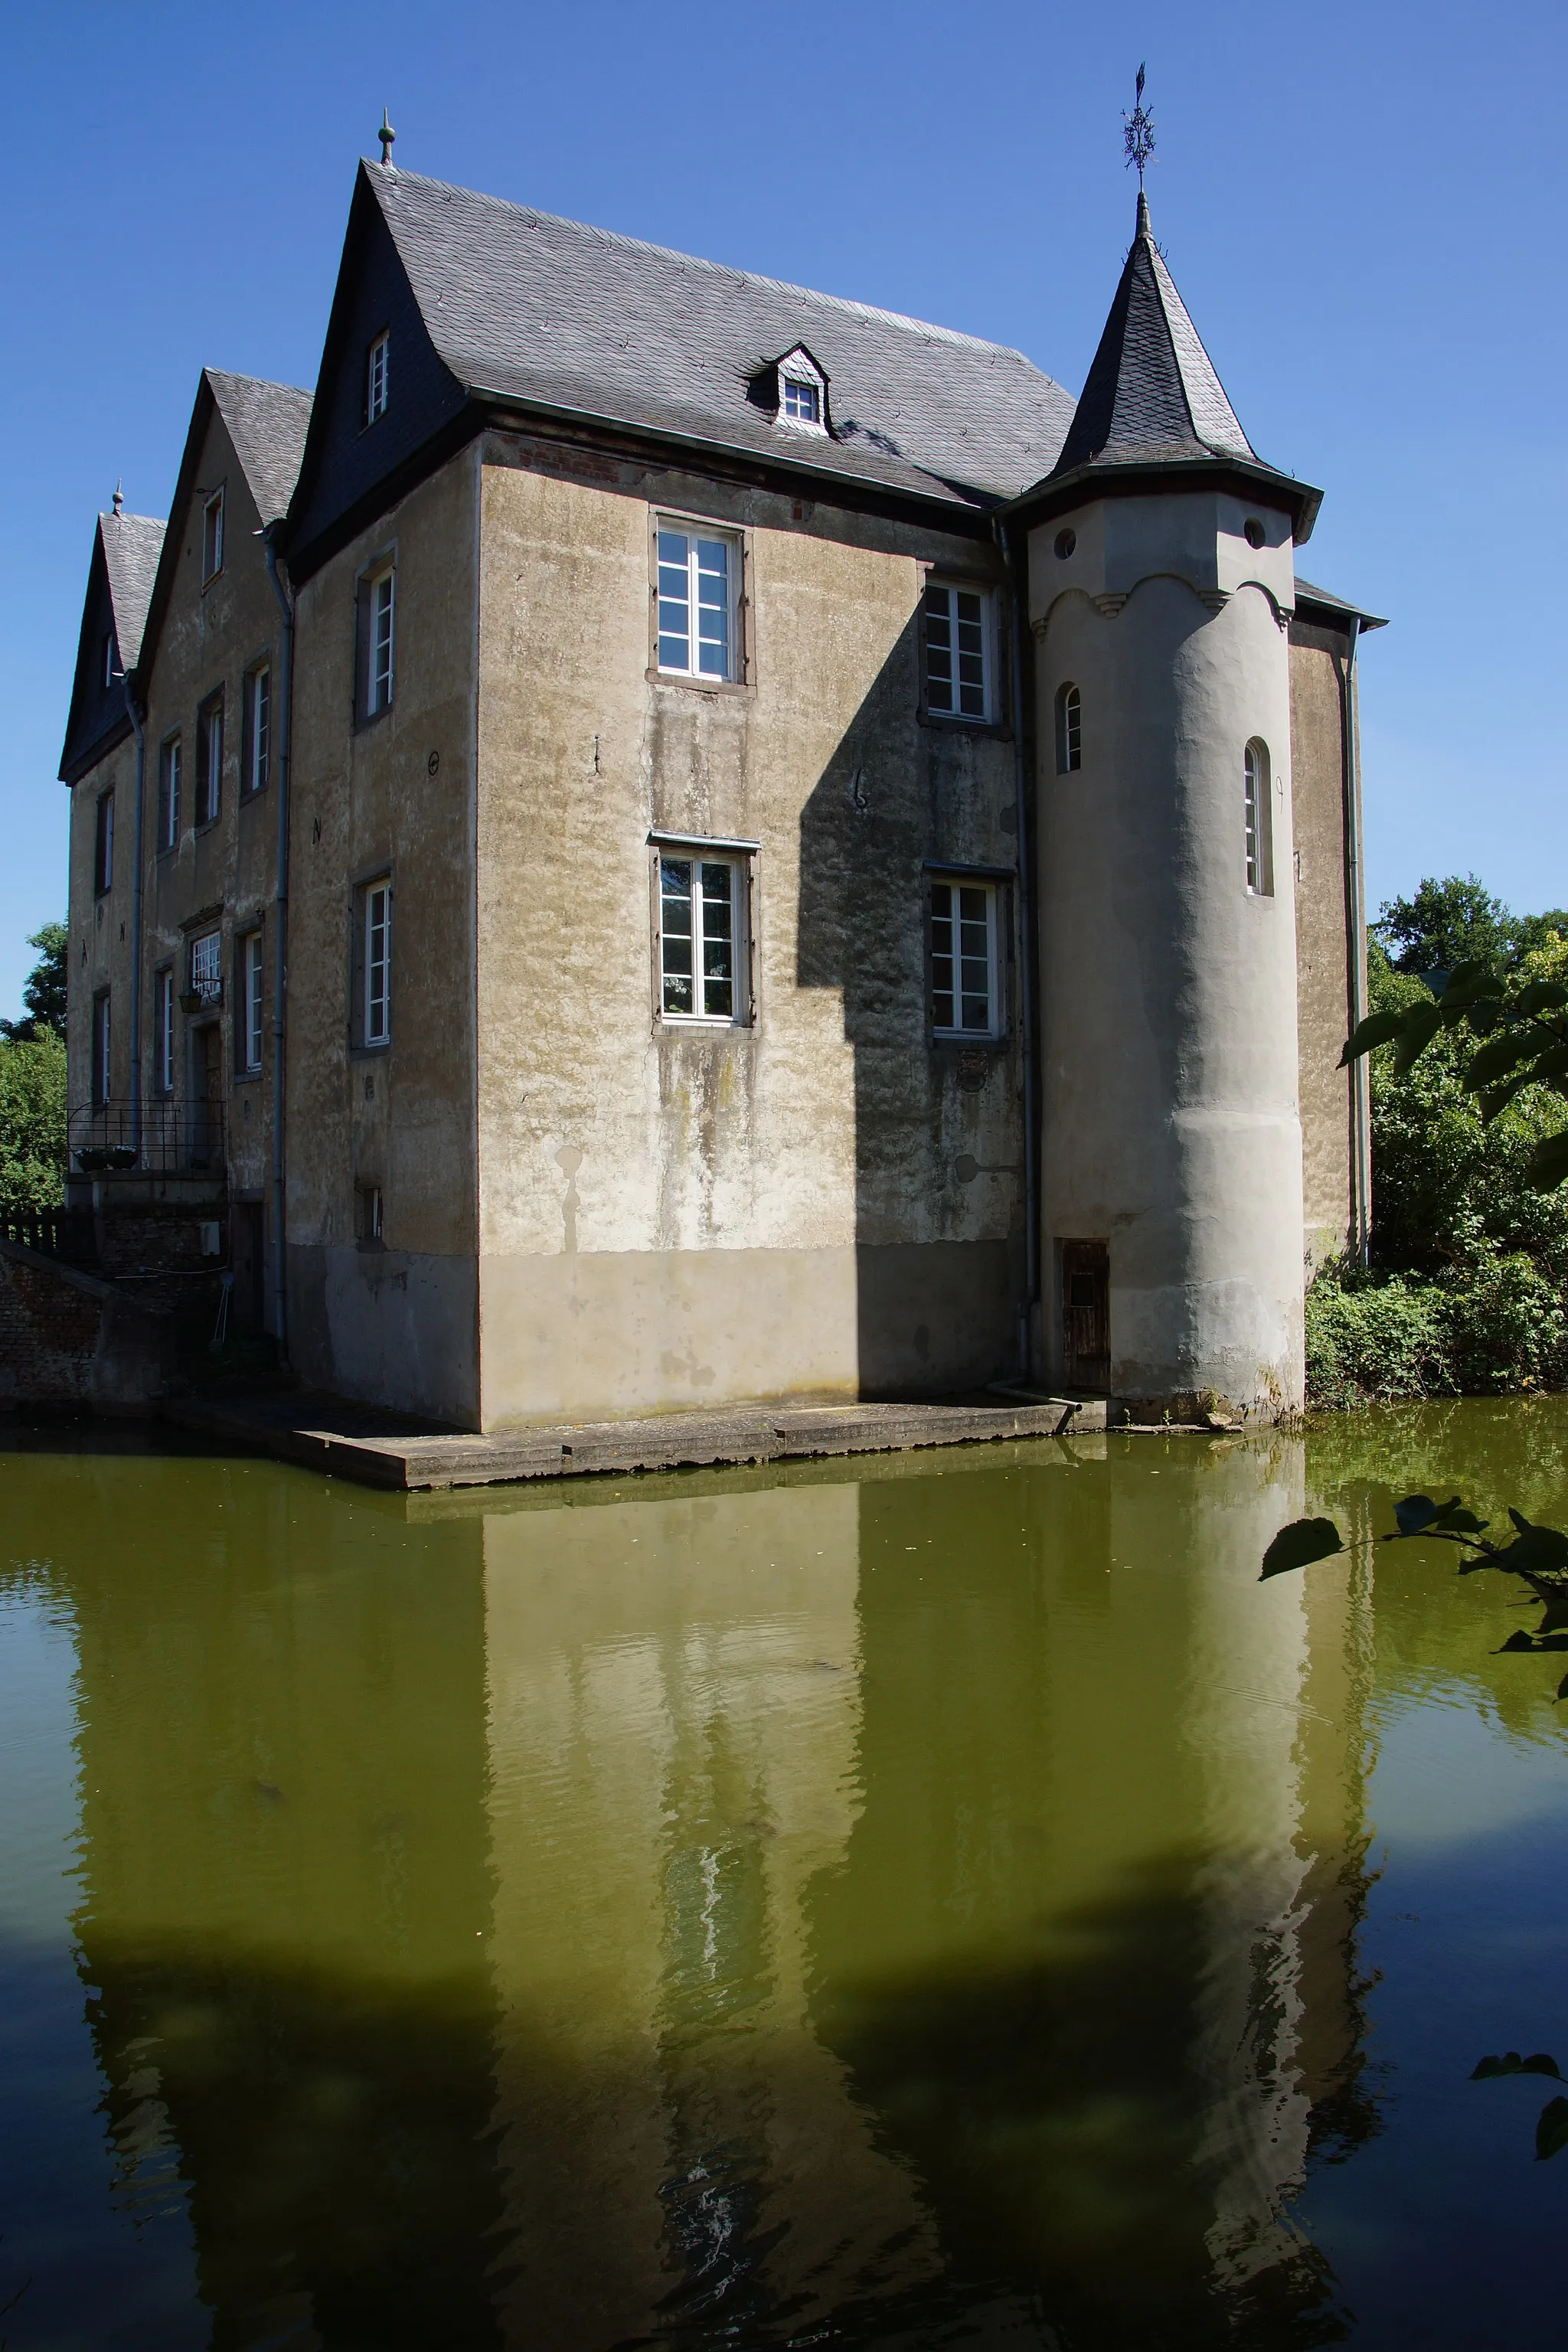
{"x": 69, "y": 1339}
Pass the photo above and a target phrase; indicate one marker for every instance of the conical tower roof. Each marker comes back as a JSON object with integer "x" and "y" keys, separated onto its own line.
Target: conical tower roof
{"x": 1153, "y": 400}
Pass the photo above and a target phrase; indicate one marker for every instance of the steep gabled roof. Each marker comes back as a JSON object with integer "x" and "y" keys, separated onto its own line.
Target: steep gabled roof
{"x": 120, "y": 573}
{"x": 1154, "y": 398}
{"x": 522, "y": 306}
{"x": 266, "y": 424}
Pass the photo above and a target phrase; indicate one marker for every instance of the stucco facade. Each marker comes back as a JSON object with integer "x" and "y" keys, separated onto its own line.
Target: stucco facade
{"x": 987, "y": 1024}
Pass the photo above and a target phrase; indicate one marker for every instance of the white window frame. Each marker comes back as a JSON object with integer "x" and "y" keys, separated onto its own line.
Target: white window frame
{"x": 1069, "y": 729}
{"x": 1258, "y": 819}
{"x": 952, "y": 887}
{"x": 701, "y": 858}
{"x": 206, "y": 968}
{"x": 163, "y": 1030}
{"x": 212, "y": 536}
{"x": 375, "y": 965}
{"x": 210, "y": 760}
{"x": 957, "y": 686}
{"x": 253, "y": 987}
{"x": 257, "y": 727}
{"x": 798, "y": 370}
{"x": 378, "y": 376}
{"x": 171, "y": 759}
{"x": 698, "y": 535}
{"x": 380, "y": 640}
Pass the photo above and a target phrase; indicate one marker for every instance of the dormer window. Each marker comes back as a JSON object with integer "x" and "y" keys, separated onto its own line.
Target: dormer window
{"x": 212, "y": 538}
{"x": 801, "y": 393}
{"x": 376, "y": 379}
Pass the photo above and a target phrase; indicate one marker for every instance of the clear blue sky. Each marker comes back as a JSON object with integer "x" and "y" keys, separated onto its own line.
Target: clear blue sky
{"x": 1362, "y": 205}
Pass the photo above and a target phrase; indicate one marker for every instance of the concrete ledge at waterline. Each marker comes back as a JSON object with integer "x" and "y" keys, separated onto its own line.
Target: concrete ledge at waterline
{"x": 70, "y": 1340}
{"x": 354, "y": 1440}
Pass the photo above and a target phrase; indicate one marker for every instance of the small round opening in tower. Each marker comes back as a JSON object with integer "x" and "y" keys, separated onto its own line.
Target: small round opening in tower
{"x": 1256, "y": 534}
{"x": 1066, "y": 542}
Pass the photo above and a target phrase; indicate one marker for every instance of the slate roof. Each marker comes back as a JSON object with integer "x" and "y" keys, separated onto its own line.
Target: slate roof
{"x": 266, "y": 424}
{"x": 521, "y": 305}
{"x": 131, "y": 544}
{"x": 1152, "y": 393}
{"x": 1335, "y": 606}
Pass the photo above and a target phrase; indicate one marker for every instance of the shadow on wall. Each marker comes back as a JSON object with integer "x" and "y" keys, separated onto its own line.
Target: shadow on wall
{"x": 939, "y": 1193}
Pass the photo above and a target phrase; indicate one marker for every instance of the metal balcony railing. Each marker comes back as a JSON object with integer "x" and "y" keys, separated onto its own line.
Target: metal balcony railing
{"x": 157, "y": 1138}
{"x": 57, "y": 1233}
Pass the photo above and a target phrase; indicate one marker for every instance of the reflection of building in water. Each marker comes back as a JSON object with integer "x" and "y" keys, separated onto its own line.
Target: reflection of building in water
{"x": 1091, "y": 1956}
{"x": 729, "y": 1911}
{"x": 681, "y": 2152}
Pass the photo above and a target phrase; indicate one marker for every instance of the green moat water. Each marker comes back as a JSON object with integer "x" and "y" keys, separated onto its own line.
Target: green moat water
{"x": 942, "y": 1900}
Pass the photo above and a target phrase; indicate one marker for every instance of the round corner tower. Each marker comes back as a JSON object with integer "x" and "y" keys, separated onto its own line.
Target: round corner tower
{"x": 1160, "y": 587}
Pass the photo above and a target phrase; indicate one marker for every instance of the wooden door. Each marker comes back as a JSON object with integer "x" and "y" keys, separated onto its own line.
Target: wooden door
{"x": 207, "y": 1110}
{"x": 1085, "y": 1314}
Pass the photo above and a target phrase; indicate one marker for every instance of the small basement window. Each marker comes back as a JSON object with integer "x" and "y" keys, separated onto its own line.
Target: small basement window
{"x": 965, "y": 975}
{"x": 702, "y": 939}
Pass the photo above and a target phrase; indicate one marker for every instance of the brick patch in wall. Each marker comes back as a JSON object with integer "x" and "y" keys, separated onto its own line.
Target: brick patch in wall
{"x": 68, "y": 1338}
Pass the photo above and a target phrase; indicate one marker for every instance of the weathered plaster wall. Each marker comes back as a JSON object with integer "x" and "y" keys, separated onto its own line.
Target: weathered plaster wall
{"x": 223, "y": 871}
{"x": 100, "y": 928}
{"x": 1323, "y": 976}
{"x": 812, "y": 1204}
{"x": 1170, "y": 1121}
{"x": 395, "y": 1321}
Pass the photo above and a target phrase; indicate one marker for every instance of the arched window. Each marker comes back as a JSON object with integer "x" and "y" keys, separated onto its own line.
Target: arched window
{"x": 1259, "y": 820}
{"x": 1069, "y": 730}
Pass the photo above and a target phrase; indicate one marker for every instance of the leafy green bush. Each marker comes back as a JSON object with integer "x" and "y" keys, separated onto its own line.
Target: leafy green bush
{"x": 32, "y": 1122}
{"x": 1367, "y": 1338}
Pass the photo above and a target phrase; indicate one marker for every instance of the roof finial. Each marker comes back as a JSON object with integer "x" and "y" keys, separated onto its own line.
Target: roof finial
{"x": 119, "y": 495}
{"x": 1138, "y": 138}
{"x": 386, "y": 134}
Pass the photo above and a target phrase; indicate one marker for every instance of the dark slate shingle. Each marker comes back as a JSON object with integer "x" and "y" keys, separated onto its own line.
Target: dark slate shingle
{"x": 526, "y": 306}
{"x": 266, "y": 424}
{"x": 1152, "y": 392}
{"x": 131, "y": 544}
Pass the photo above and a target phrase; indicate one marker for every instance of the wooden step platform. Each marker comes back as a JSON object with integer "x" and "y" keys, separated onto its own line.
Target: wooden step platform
{"x": 389, "y": 1449}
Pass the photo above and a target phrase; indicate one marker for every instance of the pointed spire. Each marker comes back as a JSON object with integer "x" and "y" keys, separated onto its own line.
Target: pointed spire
{"x": 1152, "y": 393}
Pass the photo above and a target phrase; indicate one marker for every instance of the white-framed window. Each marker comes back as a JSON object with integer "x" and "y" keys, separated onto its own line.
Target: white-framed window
{"x": 252, "y": 981}
{"x": 368, "y": 1212}
{"x": 109, "y": 665}
{"x": 103, "y": 844}
{"x": 965, "y": 991}
{"x": 212, "y": 536}
{"x": 163, "y": 1030}
{"x": 698, "y": 594}
{"x": 169, "y": 758}
{"x": 1070, "y": 730}
{"x": 375, "y": 1011}
{"x": 377, "y": 379}
{"x": 258, "y": 727}
{"x": 959, "y": 659}
{"x": 101, "y": 1044}
{"x": 703, "y": 945}
{"x": 802, "y": 392}
{"x": 206, "y": 968}
{"x": 210, "y": 760}
{"x": 1257, "y": 820}
{"x": 378, "y": 640}
{"x": 802, "y": 401}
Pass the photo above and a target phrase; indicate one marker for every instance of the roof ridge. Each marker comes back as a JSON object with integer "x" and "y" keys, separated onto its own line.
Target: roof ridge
{"x": 265, "y": 383}
{"x": 158, "y": 523}
{"x": 928, "y": 327}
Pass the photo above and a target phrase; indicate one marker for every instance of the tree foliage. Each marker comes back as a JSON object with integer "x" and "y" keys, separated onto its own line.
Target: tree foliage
{"x": 44, "y": 990}
{"x": 32, "y": 1122}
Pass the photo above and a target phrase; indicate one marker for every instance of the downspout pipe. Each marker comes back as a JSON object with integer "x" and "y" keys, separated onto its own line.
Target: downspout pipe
{"x": 1355, "y": 924}
{"x": 138, "y": 728}
{"x": 285, "y": 736}
{"x": 1019, "y": 587}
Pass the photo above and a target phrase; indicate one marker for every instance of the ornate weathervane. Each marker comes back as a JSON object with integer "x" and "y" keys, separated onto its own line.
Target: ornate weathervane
{"x": 1138, "y": 133}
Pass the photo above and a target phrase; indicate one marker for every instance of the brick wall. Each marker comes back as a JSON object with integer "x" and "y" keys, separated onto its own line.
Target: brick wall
{"x": 67, "y": 1338}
